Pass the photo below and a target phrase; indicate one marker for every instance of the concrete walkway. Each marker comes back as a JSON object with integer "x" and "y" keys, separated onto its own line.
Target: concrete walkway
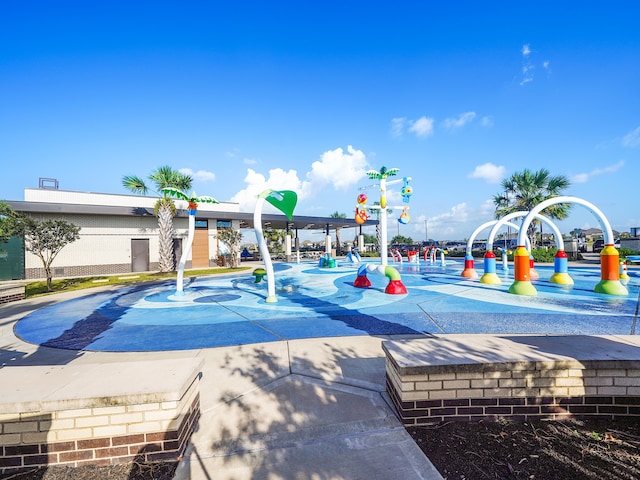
{"x": 299, "y": 409}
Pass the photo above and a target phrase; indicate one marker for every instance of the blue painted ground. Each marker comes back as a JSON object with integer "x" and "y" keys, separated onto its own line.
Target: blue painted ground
{"x": 315, "y": 302}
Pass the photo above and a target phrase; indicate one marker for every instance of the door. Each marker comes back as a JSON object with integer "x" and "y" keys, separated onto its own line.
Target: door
{"x": 200, "y": 248}
{"x": 139, "y": 254}
{"x": 12, "y": 259}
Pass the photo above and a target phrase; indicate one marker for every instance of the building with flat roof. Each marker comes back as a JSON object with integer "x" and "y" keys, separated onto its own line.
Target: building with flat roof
{"x": 119, "y": 233}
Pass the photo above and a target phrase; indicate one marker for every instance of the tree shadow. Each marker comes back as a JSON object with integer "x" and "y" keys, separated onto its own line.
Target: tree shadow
{"x": 315, "y": 417}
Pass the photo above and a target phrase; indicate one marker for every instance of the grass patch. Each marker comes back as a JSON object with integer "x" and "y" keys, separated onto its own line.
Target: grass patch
{"x": 35, "y": 289}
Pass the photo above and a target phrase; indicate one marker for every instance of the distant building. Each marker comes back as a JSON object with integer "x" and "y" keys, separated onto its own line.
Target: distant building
{"x": 119, "y": 233}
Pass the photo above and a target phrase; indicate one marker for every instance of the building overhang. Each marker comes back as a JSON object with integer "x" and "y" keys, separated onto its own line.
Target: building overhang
{"x": 245, "y": 219}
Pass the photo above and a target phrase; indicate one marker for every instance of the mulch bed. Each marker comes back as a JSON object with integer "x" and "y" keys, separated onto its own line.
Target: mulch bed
{"x": 131, "y": 471}
{"x": 560, "y": 450}
{"x": 568, "y": 450}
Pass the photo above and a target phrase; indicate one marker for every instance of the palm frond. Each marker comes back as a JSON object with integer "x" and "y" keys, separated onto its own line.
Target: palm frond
{"x": 205, "y": 199}
{"x": 134, "y": 184}
{"x": 175, "y": 192}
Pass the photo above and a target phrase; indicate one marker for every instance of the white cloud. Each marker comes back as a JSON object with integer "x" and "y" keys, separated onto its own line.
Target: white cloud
{"x": 249, "y": 161}
{"x": 631, "y": 139}
{"x": 585, "y": 177}
{"x": 486, "y": 122}
{"x": 278, "y": 179}
{"x": 489, "y": 172}
{"x": 446, "y": 225}
{"x": 397, "y": 126}
{"x": 458, "y": 214}
{"x": 487, "y": 207}
{"x": 458, "y": 223}
{"x": 423, "y": 127}
{"x": 527, "y": 74}
{"x": 233, "y": 152}
{"x": 461, "y": 121}
{"x": 200, "y": 175}
{"x": 394, "y": 197}
{"x": 580, "y": 178}
{"x": 529, "y": 64}
{"x": 336, "y": 168}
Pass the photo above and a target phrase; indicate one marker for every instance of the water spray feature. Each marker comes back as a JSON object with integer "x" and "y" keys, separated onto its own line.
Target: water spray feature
{"x": 285, "y": 201}
{"x": 609, "y": 259}
{"x": 193, "y": 200}
{"x": 406, "y": 192}
{"x": 560, "y": 275}
{"x": 395, "y": 282}
{"x": 314, "y": 302}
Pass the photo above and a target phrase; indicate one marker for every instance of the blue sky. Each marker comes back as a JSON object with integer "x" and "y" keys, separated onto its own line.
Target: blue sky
{"x": 307, "y": 96}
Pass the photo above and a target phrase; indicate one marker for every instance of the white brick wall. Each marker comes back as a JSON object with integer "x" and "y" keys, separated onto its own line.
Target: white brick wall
{"x": 100, "y": 435}
{"x": 534, "y": 382}
{"x": 425, "y": 389}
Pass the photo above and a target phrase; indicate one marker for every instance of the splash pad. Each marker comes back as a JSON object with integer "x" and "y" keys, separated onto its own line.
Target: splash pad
{"x": 314, "y": 302}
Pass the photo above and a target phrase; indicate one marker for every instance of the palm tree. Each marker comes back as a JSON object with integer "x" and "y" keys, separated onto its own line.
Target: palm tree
{"x": 382, "y": 175}
{"x": 336, "y": 214}
{"x": 165, "y": 209}
{"x": 524, "y": 190}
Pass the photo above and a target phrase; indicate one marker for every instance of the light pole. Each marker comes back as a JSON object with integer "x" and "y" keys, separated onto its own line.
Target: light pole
{"x": 426, "y": 234}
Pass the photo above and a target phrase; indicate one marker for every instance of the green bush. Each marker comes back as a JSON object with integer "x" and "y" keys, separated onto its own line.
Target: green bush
{"x": 543, "y": 255}
{"x": 540, "y": 255}
{"x": 624, "y": 252}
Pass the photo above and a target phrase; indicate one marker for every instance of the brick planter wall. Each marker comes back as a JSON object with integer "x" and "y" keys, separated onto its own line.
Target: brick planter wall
{"x": 11, "y": 293}
{"x": 122, "y": 428}
{"x": 433, "y": 380}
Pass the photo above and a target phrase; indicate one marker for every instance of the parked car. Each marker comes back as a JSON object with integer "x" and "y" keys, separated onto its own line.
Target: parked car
{"x": 431, "y": 243}
{"x": 456, "y": 246}
{"x": 598, "y": 245}
{"x": 479, "y": 246}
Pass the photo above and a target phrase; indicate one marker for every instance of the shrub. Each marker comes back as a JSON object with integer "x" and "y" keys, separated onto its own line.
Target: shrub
{"x": 544, "y": 255}
{"x": 624, "y": 252}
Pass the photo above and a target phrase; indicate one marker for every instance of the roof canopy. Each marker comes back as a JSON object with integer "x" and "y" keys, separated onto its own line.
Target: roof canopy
{"x": 246, "y": 219}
